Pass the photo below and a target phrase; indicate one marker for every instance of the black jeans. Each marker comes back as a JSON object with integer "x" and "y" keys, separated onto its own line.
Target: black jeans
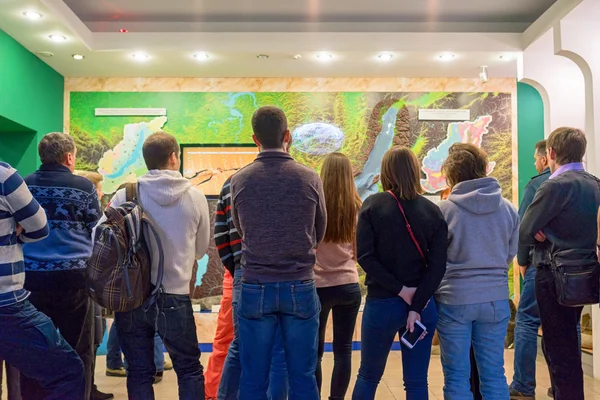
{"x": 72, "y": 312}
{"x": 343, "y": 302}
{"x": 560, "y": 339}
{"x": 176, "y": 326}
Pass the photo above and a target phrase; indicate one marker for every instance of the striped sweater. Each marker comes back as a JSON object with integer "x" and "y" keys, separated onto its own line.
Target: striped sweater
{"x": 17, "y": 208}
{"x": 227, "y": 239}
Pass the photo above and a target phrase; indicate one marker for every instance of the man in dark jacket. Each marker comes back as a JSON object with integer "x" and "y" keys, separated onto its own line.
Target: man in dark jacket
{"x": 528, "y": 315}
{"x": 563, "y": 215}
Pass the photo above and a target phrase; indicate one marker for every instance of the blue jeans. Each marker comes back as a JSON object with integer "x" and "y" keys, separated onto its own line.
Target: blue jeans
{"x": 176, "y": 325}
{"x": 484, "y": 327}
{"x": 383, "y": 319}
{"x": 526, "y": 333}
{"x": 113, "y": 354}
{"x": 229, "y": 385}
{"x": 294, "y": 308}
{"x": 30, "y": 342}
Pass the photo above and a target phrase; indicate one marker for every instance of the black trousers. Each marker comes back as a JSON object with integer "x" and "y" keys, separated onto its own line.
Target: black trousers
{"x": 560, "y": 339}
{"x": 72, "y": 312}
{"x": 13, "y": 385}
{"x": 343, "y": 302}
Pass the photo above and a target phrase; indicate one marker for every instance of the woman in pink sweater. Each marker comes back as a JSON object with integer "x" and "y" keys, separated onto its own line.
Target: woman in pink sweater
{"x": 336, "y": 275}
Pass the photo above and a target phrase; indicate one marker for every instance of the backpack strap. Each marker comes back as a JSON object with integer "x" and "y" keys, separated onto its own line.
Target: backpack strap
{"x": 131, "y": 191}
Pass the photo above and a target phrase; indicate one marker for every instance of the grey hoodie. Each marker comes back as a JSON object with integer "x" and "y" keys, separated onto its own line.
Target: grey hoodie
{"x": 483, "y": 234}
{"x": 181, "y": 215}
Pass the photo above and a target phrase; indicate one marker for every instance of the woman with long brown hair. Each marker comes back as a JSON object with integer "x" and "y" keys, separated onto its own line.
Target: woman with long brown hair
{"x": 336, "y": 275}
{"x": 401, "y": 244}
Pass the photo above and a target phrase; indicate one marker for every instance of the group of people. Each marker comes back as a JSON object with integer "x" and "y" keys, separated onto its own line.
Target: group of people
{"x": 290, "y": 241}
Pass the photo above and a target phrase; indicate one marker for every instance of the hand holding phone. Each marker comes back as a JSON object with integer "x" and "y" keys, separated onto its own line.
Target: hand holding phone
{"x": 410, "y": 339}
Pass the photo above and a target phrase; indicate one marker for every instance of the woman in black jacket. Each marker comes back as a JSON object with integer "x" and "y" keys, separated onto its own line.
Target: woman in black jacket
{"x": 404, "y": 258}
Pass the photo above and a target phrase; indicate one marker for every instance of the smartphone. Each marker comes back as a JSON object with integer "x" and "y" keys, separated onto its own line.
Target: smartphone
{"x": 409, "y": 339}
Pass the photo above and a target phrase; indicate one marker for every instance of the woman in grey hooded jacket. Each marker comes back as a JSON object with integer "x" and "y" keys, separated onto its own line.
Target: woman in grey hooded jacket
{"x": 472, "y": 299}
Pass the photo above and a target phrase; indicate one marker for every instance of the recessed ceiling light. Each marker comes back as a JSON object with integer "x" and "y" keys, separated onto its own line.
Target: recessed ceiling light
{"x": 32, "y": 15}
{"x": 446, "y": 57}
{"x": 78, "y": 56}
{"x": 297, "y": 56}
{"x": 385, "y": 56}
{"x": 140, "y": 56}
{"x": 123, "y": 30}
{"x": 323, "y": 56}
{"x": 262, "y": 56}
{"x": 57, "y": 38}
{"x": 45, "y": 53}
{"x": 201, "y": 56}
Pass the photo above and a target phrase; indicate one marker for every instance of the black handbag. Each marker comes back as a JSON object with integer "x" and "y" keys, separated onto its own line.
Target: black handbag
{"x": 576, "y": 276}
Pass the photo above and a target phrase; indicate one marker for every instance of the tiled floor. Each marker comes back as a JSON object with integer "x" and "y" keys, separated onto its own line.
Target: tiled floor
{"x": 390, "y": 388}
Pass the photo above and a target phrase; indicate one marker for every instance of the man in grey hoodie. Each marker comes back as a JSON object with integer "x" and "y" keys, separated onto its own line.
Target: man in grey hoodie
{"x": 180, "y": 214}
{"x": 473, "y": 296}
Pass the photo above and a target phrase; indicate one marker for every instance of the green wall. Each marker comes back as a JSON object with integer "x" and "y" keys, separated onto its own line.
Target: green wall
{"x": 530, "y": 114}
{"x": 31, "y": 104}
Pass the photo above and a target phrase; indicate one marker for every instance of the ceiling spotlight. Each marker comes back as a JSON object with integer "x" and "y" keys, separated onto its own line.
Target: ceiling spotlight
{"x": 32, "y": 15}
{"x": 57, "y": 38}
{"x": 123, "y": 30}
{"x": 324, "y": 56}
{"x": 262, "y": 56}
{"x": 140, "y": 56}
{"x": 45, "y": 53}
{"x": 385, "y": 56}
{"x": 297, "y": 56}
{"x": 201, "y": 56}
{"x": 483, "y": 74}
{"x": 78, "y": 56}
{"x": 446, "y": 57}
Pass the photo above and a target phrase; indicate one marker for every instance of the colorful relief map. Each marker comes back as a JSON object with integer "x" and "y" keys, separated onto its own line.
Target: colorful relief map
{"x": 361, "y": 125}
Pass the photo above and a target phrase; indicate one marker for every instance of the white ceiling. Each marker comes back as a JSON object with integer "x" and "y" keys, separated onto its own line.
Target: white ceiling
{"x": 234, "y": 32}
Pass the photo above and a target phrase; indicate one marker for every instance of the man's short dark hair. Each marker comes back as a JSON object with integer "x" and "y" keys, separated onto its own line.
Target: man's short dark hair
{"x": 157, "y": 149}
{"x": 54, "y": 147}
{"x": 569, "y": 145}
{"x": 269, "y": 125}
{"x": 540, "y": 148}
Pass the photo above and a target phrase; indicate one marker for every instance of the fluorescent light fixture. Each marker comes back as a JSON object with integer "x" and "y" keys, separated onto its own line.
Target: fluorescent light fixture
{"x": 385, "y": 56}
{"x": 140, "y": 56}
{"x": 57, "y": 38}
{"x": 446, "y": 57}
{"x": 78, "y": 56}
{"x": 32, "y": 15}
{"x": 324, "y": 56}
{"x": 201, "y": 56}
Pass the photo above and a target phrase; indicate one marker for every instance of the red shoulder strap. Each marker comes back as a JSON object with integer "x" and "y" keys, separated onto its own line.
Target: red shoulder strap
{"x": 408, "y": 227}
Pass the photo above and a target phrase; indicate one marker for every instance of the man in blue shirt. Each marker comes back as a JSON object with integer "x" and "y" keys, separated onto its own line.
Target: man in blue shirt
{"x": 528, "y": 316}
{"x": 55, "y": 267}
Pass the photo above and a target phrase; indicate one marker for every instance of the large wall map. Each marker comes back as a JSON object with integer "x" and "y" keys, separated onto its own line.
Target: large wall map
{"x": 362, "y": 125}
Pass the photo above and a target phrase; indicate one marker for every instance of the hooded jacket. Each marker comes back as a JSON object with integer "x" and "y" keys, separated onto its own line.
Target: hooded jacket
{"x": 180, "y": 213}
{"x": 483, "y": 236}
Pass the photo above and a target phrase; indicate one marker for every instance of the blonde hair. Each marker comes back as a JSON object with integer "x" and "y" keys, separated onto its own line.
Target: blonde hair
{"x": 341, "y": 199}
{"x": 401, "y": 172}
{"x": 92, "y": 176}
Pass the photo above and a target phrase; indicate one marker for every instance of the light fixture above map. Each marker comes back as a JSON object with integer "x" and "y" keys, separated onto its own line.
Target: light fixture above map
{"x": 140, "y": 56}
{"x": 324, "y": 56}
{"x": 201, "y": 56}
{"x": 385, "y": 56}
